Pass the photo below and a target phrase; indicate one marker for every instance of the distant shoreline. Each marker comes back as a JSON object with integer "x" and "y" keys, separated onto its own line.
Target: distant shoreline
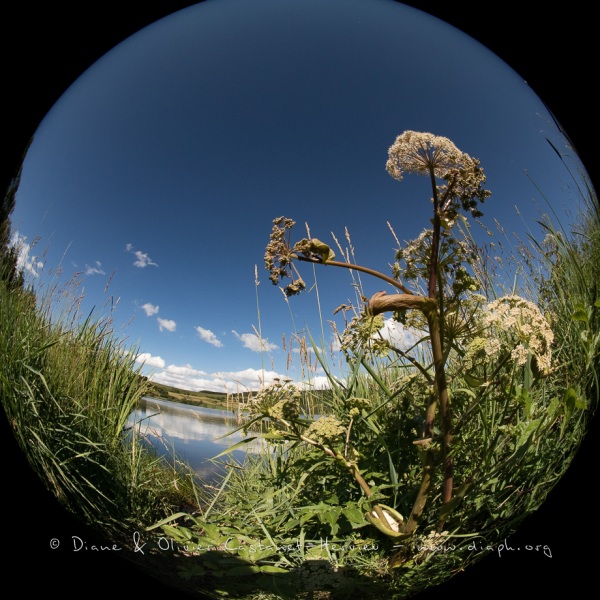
{"x": 206, "y": 399}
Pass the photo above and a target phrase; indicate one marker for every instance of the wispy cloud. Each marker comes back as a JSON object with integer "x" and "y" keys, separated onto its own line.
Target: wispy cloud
{"x": 141, "y": 258}
{"x": 254, "y": 343}
{"x": 208, "y": 336}
{"x": 97, "y": 270}
{"x": 25, "y": 262}
{"x": 150, "y": 309}
{"x": 150, "y": 361}
{"x": 167, "y": 324}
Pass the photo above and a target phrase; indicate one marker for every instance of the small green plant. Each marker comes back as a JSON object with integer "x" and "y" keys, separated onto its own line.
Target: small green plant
{"x": 491, "y": 352}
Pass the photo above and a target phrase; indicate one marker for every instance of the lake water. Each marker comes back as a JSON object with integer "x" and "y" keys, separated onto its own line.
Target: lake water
{"x": 192, "y": 432}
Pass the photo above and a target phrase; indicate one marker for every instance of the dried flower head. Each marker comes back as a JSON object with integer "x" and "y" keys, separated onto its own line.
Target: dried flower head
{"x": 279, "y": 400}
{"x": 280, "y": 253}
{"x": 438, "y": 157}
{"x": 355, "y": 406}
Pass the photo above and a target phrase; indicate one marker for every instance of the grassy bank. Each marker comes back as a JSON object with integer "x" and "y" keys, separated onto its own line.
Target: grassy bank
{"x": 317, "y": 399}
{"x": 67, "y": 386}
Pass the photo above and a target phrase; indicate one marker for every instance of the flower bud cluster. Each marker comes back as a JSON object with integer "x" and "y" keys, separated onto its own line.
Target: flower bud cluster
{"x": 362, "y": 334}
{"x": 326, "y": 430}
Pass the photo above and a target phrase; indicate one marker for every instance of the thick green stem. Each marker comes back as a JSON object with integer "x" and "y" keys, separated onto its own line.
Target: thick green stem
{"x": 443, "y": 399}
{"x": 435, "y": 333}
{"x": 381, "y": 302}
{"x": 423, "y": 493}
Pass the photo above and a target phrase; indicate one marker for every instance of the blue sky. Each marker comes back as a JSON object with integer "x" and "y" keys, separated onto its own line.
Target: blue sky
{"x": 160, "y": 169}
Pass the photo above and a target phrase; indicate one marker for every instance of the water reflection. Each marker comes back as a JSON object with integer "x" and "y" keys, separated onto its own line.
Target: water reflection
{"x": 193, "y": 433}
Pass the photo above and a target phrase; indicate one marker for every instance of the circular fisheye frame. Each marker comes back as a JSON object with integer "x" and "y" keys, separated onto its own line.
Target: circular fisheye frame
{"x": 297, "y": 300}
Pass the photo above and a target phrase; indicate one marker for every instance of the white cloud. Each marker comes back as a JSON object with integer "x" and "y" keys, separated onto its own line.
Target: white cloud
{"x": 399, "y": 336}
{"x": 253, "y": 342}
{"x": 150, "y": 361}
{"x": 167, "y": 324}
{"x": 208, "y": 336}
{"x": 141, "y": 258}
{"x": 150, "y": 309}
{"x": 187, "y": 378}
{"x": 185, "y": 371}
{"x": 97, "y": 270}
{"x": 253, "y": 378}
{"x": 25, "y": 262}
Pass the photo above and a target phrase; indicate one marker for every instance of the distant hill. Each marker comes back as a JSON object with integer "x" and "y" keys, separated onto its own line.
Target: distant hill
{"x": 201, "y": 398}
{"x": 319, "y": 399}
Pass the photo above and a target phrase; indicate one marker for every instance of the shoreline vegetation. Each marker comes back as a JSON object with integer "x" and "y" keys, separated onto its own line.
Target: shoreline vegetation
{"x": 204, "y": 398}
{"x": 218, "y": 400}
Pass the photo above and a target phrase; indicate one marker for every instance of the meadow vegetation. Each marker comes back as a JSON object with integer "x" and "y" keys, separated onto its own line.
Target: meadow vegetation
{"x": 417, "y": 461}
{"x": 68, "y": 387}
{"x": 427, "y": 456}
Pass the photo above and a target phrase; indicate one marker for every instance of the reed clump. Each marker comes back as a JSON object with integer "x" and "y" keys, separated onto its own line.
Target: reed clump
{"x": 68, "y": 387}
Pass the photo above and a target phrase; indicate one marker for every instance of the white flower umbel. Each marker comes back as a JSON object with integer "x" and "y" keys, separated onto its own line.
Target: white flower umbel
{"x": 525, "y": 325}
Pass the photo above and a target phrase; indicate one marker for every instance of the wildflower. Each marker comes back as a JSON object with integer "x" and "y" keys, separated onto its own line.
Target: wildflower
{"x": 423, "y": 154}
{"x": 286, "y": 409}
{"x": 278, "y": 400}
{"x": 357, "y": 405}
{"x": 279, "y": 255}
{"x": 363, "y": 333}
{"x": 481, "y": 350}
{"x": 325, "y": 430}
{"x": 526, "y": 327}
{"x": 436, "y": 156}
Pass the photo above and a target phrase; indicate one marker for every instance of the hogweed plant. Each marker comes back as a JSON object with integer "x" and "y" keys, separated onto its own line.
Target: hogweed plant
{"x": 425, "y": 452}
{"x": 471, "y": 346}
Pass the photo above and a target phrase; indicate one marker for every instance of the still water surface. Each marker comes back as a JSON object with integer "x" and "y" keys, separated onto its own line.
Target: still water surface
{"x": 192, "y": 432}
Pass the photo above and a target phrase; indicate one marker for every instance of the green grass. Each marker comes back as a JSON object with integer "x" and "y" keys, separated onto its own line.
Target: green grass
{"x": 68, "y": 386}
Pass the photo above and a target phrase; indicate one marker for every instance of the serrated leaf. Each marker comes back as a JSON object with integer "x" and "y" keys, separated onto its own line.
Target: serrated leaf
{"x": 354, "y": 515}
{"x": 525, "y": 438}
{"x": 570, "y": 400}
{"x": 580, "y": 314}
